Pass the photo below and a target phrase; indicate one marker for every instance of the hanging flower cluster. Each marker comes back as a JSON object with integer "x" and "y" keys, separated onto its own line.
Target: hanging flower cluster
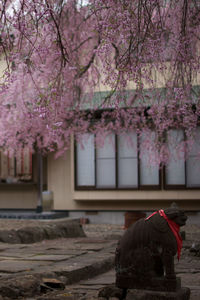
{"x": 99, "y": 66}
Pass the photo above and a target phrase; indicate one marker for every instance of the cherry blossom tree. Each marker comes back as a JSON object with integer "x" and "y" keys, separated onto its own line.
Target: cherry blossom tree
{"x": 98, "y": 66}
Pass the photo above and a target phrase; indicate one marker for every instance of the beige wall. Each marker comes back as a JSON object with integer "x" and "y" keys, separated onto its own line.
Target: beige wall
{"x": 61, "y": 182}
{"x": 18, "y": 197}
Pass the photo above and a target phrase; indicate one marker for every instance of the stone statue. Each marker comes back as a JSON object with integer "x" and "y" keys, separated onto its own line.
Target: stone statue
{"x": 145, "y": 254}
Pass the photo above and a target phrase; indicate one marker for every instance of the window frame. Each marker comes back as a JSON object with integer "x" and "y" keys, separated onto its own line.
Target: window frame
{"x": 96, "y": 188}
{"x": 178, "y": 186}
{"x": 173, "y": 186}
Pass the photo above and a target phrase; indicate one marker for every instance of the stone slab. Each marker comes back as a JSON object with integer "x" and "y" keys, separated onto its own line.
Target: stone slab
{"x": 4, "y": 246}
{"x": 108, "y": 278}
{"x": 9, "y": 257}
{"x": 64, "y": 251}
{"x": 44, "y": 257}
{"x": 85, "y": 287}
{"x": 89, "y": 247}
{"x": 37, "y": 257}
{"x": 11, "y": 266}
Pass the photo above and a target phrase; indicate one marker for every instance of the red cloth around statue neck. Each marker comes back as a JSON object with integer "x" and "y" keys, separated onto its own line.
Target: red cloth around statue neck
{"x": 174, "y": 228}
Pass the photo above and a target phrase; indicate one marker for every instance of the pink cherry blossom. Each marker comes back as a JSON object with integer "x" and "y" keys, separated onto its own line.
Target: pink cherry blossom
{"x": 75, "y": 67}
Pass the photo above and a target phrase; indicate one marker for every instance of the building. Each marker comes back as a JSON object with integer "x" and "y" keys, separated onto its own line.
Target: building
{"x": 101, "y": 184}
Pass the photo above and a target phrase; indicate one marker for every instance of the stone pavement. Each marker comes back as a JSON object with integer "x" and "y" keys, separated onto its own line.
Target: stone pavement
{"x": 188, "y": 269}
{"x": 78, "y": 267}
{"x": 28, "y": 270}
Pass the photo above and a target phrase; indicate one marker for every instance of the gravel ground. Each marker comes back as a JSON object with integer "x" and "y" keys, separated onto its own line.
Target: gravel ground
{"x": 103, "y": 230}
{"x": 192, "y": 232}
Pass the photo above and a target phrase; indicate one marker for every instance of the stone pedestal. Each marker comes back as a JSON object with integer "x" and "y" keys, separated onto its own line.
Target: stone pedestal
{"x": 111, "y": 291}
{"x": 180, "y": 294}
{"x": 154, "y": 284}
